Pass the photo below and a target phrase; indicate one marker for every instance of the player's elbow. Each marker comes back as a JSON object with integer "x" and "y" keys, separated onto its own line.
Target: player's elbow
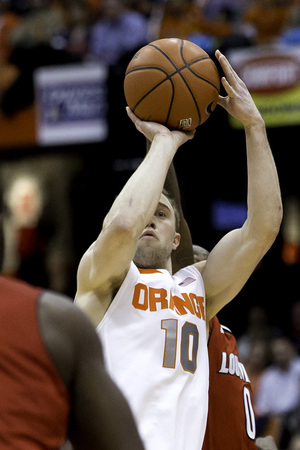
{"x": 122, "y": 228}
{"x": 265, "y": 230}
{"x": 273, "y": 222}
{"x": 270, "y": 234}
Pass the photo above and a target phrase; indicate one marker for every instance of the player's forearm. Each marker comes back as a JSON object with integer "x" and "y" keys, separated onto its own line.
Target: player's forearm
{"x": 136, "y": 203}
{"x": 264, "y": 198}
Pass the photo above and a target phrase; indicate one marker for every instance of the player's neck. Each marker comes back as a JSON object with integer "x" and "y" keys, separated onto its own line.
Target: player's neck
{"x": 155, "y": 265}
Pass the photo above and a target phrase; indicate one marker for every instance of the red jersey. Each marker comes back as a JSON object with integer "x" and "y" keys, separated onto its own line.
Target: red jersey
{"x": 34, "y": 405}
{"x": 231, "y": 420}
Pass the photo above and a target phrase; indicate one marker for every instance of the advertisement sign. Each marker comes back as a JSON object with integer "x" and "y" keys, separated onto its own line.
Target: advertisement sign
{"x": 71, "y": 104}
{"x": 272, "y": 75}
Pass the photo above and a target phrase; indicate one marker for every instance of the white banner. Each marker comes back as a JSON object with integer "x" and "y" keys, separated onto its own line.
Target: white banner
{"x": 71, "y": 103}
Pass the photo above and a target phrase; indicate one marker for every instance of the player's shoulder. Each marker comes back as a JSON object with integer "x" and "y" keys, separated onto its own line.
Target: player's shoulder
{"x": 220, "y": 336}
{"x": 66, "y": 332}
{"x": 59, "y": 311}
{"x": 12, "y": 285}
{"x": 55, "y": 304}
{"x": 191, "y": 270}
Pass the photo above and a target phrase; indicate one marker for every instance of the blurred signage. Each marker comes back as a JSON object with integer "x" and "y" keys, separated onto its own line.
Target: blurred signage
{"x": 226, "y": 215}
{"x": 71, "y": 104}
{"x": 272, "y": 75}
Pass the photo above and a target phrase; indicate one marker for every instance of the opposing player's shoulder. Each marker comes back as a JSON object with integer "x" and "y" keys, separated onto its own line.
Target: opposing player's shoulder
{"x": 216, "y": 327}
{"x": 66, "y": 332}
{"x": 54, "y": 306}
{"x": 60, "y": 312}
{"x": 200, "y": 266}
{"x": 225, "y": 329}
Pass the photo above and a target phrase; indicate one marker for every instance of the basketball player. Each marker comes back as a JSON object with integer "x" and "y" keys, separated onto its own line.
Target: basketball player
{"x": 52, "y": 377}
{"x": 230, "y": 410}
{"x": 154, "y": 326}
{"x": 231, "y": 418}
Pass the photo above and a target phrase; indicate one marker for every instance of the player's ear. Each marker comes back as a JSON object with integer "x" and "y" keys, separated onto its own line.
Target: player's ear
{"x": 176, "y": 241}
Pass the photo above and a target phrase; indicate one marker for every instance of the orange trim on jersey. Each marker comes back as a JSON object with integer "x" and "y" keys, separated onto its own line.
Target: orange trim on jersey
{"x": 149, "y": 271}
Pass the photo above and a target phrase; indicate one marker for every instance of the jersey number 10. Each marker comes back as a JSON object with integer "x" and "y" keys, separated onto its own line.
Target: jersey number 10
{"x": 189, "y": 344}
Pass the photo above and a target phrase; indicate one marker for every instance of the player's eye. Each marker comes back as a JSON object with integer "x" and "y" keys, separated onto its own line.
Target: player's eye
{"x": 161, "y": 214}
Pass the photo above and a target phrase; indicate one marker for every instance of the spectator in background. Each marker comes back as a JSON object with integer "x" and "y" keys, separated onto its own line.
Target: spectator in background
{"x": 258, "y": 328}
{"x": 182, "y": 19}
{"x": 268, "y": 18}
{"x": 295, "y": 442}
{"x": 24, "y": 232}
{"x": 117, "y": 31}
{"x": 32, "y": 46}
{"x": 37, "y": 220}
{"x": 294, "y": 327}
{"x": 294, "y": 17}
{"x": 44, "y": 20}
{"x": 256, "y": 362}
{"x": 215, "y": 8}
{"x": 9, "y": 20}
{"x": 75, "y": 39}
{"x": 278, "y": 397}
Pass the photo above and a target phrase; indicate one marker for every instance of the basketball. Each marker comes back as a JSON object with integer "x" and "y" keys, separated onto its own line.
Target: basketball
{"x": 173, "y": 82}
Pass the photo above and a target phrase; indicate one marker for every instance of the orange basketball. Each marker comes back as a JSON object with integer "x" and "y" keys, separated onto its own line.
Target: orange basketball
{"x": 173, "y": 82}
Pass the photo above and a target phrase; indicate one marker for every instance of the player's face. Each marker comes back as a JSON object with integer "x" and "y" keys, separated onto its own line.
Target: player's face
{"x": 159, "y": 238}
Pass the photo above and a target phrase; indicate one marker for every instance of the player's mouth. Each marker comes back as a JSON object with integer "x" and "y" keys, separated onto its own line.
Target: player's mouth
{"x": 148, "y": 234}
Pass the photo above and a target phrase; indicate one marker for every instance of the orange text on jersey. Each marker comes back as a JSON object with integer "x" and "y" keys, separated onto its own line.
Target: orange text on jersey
{"x": 148, "y": 298}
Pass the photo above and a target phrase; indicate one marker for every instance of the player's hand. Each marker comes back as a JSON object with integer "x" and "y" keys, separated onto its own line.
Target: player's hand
{"x": 152, "y": 129}
{"x": 238, "y": 102}
{"x": 266, "y": 443}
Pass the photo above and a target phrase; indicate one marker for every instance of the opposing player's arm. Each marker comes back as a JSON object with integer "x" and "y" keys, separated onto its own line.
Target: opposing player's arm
{"x": 100, "y": 416}
{"x": 183, "y": 256}
{"x": 104, "y": 266}
{"x": 234, "y": 258}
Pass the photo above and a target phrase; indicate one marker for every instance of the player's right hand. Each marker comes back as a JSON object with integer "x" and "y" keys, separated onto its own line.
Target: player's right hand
{"x": 152, "y": 129}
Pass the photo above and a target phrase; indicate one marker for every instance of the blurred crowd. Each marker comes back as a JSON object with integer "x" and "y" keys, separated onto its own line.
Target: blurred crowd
{"x": 44, "y": 32}
{"x": 35, "y": 33}
{"x": 272, "y": 359}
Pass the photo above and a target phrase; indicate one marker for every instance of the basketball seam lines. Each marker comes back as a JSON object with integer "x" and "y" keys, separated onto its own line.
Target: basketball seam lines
{"x": 177, "y": 70}
{"x": 168, "y": 77}
{"x": 193, "y": 97}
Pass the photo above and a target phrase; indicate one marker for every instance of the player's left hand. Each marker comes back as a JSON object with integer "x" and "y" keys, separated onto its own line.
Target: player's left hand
{"x": 238, "y": 102}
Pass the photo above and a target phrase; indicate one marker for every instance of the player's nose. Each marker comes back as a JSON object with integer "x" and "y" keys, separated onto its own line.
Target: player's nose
{"x": 151, "y": 224}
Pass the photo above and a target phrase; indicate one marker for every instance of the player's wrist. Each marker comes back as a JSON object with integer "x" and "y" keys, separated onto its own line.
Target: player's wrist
{"x": 255, "y": 122}
{"x": 165, "y": 142}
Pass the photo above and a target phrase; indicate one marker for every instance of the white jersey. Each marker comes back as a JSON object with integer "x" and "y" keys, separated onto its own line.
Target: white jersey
{"x": 154, "y": 342}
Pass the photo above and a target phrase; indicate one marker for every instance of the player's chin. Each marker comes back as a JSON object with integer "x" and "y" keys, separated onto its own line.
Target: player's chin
{"x": 146, "y": 253}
